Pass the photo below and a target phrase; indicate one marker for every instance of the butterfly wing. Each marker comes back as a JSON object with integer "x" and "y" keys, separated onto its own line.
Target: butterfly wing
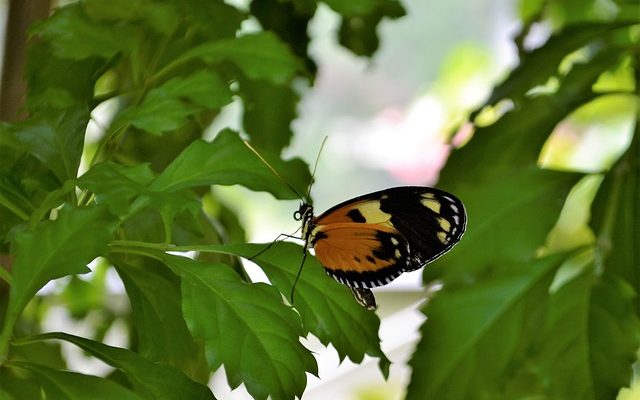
{"x": 361, "y": 255}
{"x": 370, "y": 240}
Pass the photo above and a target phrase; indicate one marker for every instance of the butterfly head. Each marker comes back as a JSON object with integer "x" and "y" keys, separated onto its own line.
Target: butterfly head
{"x": 304, "y": 214}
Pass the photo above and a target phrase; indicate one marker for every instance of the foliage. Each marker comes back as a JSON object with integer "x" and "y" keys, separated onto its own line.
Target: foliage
{"x": 161, "y": 70}
{"x": 523, "y": 314}
{"x": 520, "y": 315}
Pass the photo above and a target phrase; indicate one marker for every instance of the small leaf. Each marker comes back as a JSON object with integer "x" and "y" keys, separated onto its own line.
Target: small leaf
{"x": 616, "y": 218}
{"x": 214, "y": 19}
{"x": 502, "y": 227}
{"x": 472, "y": 332}
{"x": 158, "y": 113}
{"x": 538, "y": 65}
{"x": 73, "y": 35}
{"x": 14, "y": 385}
{"x": 352, "y": 8}
{"x": 203, "y": 88}
{"x": 358, "y": 32}
{"x": 166, "y": 107}
{"x": 268, "y": 112}
{"x": 246, "y": 328}
{"x": 162, "y": 333}
{"x": 65, "y": 385}
{"x": 56, "y": 139}
{"x": 227, "y": 161}
{"x": 56, "y": 249}
{"x": 149, "y": 379}
{"x": 115, "y": 185}
{"x": 258, "y": 55}
{"x": 326, "y": 307}
{"x": 587, "y": 347}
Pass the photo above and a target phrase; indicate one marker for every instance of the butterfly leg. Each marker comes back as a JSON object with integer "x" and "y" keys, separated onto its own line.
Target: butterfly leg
{"x": 272, "y": 243}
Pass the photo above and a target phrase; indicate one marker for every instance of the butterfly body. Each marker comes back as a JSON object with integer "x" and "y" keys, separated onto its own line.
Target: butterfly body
{"x": 372, "y": 239}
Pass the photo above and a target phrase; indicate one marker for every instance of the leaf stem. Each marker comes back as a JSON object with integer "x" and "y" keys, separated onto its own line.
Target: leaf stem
{"x": 6, "y": 275}
{"x": 13, "y": 208}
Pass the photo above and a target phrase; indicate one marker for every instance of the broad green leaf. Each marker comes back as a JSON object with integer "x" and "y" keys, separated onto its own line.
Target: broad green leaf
{"x": 53, "y": 250}
{"x": 258, "y": 55}
{"x": 327, "y": 308}
{"x": 588, "y": 344}
{"x": 73, "y": 35}
{"x": 616, "y": 218}
{"x": 246, "y": 328}
{"x": 214, "y": 19}
{"x": 473, "y": 332}
{"x": 227, "y": 161}
{"x": 55, "y": 82}
{"x": 613, "y": 333}
{"x": 290, "y": 22}
{"x": 149, "y": 379}
{"x": 363, "y": 7}
{"x": 166, "y": 107}
{"x": 509, "y": 219}
{"x": 203, "y": 88}
{"x": 268, "y": 113}
{"x": 115, "y": 185}
{"x": 359, "y": 33}
{"x": 56, "y": 139}
{"x": 65, "y": 385}
{"x": 162, "y": 333}
{"x": 542, "y": 63}
{"x": 159, "y": 16}
{"x": 14, "y": 385}
{"x": 517, "y": 138}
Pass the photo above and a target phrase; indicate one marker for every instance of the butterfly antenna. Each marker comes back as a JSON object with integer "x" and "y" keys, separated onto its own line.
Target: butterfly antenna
{"x": 273, "y": 170}
{"x": 315, "y": 166}
{"x": 295, "y": 282}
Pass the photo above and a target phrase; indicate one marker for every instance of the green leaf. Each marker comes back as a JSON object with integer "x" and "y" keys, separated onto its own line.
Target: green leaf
{"x": 166, "y": 107}
{"x": 214, "y": 19}
{"x": 14, "y": 385}
{"x": 614, "y": 335}
{"x": 359, "y": 33}
{"x": 352, "y": 8}
{"x": 473, "y": 332}
{"x": 246, "y": 328}
{"x": 258, "y": 55}
{"x": 65, "y": 385}
{"x": 536, "y": 67}
{"x": 149, "y": 379}
{"x": 268, "y": 113}
{"x": 203, "y": 88}
{"x": 53, "y": 250}
{"x": 290, "y": 22}
{"x": 616, "y": 218}
{"x": 116, "y": 185}
{"x": 588, "y": 345}
{"x": 162, "y": 333}
{"x": 56, "y": 139}
{"x": 327, "y": 308}
{"x": 227, "y": 161}
{"x": 73, "y": 35}
{"x": 59, "y": 83}
{"x": 505, "y": 225}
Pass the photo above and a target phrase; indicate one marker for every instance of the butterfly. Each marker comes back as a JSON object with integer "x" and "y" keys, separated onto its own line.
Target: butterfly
{"x": 370, "y": 240}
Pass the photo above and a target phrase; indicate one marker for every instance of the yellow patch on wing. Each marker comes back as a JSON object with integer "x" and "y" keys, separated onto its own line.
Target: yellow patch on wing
{"x": 371, "y": 211}
{"x": 442, "y": 236}
{"x": 444, "y": 224}
{"x": 431, "y": 204}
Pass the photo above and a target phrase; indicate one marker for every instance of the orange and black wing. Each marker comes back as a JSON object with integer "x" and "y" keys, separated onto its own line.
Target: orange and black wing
{"x": 370, "y": 240}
